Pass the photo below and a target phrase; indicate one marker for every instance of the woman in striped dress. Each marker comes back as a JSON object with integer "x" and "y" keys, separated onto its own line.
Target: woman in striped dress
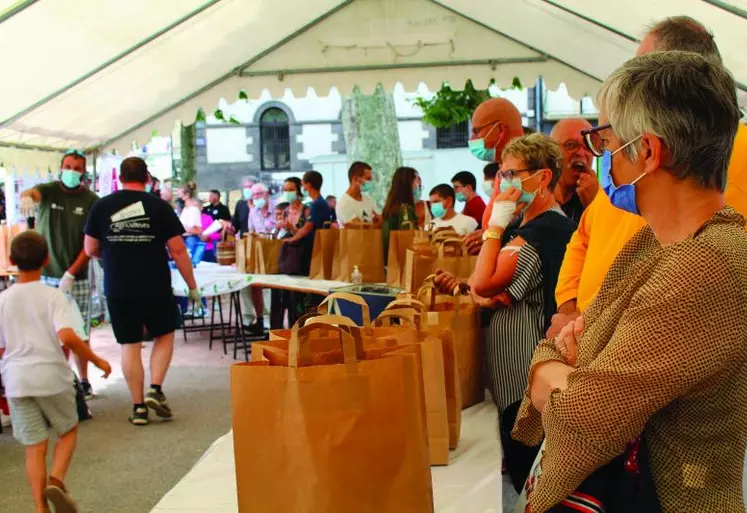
{"x": 517, "y": 271}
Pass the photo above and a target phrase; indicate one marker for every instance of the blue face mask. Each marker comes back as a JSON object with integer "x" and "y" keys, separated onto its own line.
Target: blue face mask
{"x": 70, "y": 178}
{"x": 417, "y": 192}
{"x": 247, "y": 193}
{"x": 622, "y": 197}
{"x": 148, "y": 187}
{"x": 290, "y": 196}
{"x": 367, "y": 187}
{"x": 438, "y": 210}
{"x": 460, "y": 196}
{"x": 526, "y": 197}
{"x": 260, "y": 203}
{"x": 478, "y": 149}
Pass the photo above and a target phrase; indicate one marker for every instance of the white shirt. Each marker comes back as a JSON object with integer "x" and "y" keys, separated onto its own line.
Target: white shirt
{"x": 462, "y": 224}
{"x": 191, "y": 217}
{"x": 33, "y": 364}
{"x": 349, "y": 208}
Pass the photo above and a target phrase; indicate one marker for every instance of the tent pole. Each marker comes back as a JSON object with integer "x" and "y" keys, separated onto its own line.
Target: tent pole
{"x": 539, "y": 106}
{"x": 410, "y": 65}
{"x": 17, "y": 9}
{"x": 32, "y": 147}
{"x": 733, "y": 9}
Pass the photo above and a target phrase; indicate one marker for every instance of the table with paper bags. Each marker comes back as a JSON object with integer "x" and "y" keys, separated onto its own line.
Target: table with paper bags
{"x": 258, "y": 253}
{"x": 322, "y": 421}
{"x": 439, "y": 368}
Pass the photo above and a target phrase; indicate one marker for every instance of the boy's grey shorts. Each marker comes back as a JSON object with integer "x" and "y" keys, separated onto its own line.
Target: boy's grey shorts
{"x": 31, "y": 417}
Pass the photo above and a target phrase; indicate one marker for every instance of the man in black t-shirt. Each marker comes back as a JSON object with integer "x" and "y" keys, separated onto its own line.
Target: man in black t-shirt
{"x": 217, "y": 210}
{"x": 130, "y": 230}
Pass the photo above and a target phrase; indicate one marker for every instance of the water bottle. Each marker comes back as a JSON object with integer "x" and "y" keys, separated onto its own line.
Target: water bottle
{"x": 356, "y": 278}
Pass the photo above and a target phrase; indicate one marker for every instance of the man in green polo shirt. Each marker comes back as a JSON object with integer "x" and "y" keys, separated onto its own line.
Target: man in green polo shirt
{"x": 63, "y": 208}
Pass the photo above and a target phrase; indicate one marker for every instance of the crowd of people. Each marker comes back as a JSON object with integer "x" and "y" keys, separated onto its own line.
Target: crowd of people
{"x": 614, "y": 315}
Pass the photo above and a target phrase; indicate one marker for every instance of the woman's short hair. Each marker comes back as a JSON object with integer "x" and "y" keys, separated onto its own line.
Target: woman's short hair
{"x": 686, "y": 100}
{"x": 537, "y": 151}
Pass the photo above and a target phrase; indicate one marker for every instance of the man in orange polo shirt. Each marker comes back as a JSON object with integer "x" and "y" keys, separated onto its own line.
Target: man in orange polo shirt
{"x": 605, "y": 229}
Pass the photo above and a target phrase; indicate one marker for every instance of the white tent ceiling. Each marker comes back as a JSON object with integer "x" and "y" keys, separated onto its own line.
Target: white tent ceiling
{"x": 99, "y": 74}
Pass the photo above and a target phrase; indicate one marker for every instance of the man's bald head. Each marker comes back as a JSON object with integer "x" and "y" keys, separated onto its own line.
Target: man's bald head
{"x": 497, "y": 121}
{"x": 681, "y": 33}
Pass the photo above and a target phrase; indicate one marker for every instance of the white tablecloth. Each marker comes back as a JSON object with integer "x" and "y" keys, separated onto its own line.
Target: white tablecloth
{"x": 212, "y": 280}
{"x": 216, "y": 280}
{"x": 471, "y": 483}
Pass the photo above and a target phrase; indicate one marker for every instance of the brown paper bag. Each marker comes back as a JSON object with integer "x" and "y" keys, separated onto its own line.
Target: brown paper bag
{"x": 437, "y": 418}
{"x": 452, "y": 257}
{"x": 323, "y": 253}
{"x": 399, "y": 242}
{"x": 362, "y": 247}
{"x": 7, "y": 233}
{"x": 241, "y": 255}
{"x": 418, "y": 267}
{"x": 463, "y": 318}
{"x": 451, "y": 367}
{"x": 351, "y": 437}
{"x": 267, "y": 253}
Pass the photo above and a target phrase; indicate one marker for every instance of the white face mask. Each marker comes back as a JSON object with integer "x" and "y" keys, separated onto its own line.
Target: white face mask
{"x": 487, "y": 188}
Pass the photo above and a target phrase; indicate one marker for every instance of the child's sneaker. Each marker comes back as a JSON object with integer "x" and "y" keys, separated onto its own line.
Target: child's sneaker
{"x": 56, "y": 493}
{"x": 157, "y": 402}
{"x": 139, "y": 416}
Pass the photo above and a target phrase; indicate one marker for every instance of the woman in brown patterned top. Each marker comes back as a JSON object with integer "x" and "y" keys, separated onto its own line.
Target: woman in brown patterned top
{"x": 662, "y": 351}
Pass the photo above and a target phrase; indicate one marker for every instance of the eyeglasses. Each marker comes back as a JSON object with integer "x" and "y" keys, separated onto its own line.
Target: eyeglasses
{"x": 571, "y": 145}
{"x": 77, "y": 153}
{"x": 594, "y": 140}
{"x": 509, "y": 174}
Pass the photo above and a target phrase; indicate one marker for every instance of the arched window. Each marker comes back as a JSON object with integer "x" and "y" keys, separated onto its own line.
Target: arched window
{"x": 274, "y": 136}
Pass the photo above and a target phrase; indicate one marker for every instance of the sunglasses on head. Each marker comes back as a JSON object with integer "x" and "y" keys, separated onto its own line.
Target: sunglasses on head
{"x": 77, "y": 153}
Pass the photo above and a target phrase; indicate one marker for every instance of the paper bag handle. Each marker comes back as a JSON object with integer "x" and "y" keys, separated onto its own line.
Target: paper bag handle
{"x": 451, "y": 241}
{"x": 405, "y": 303}
{"x": 324, "y": 306}
{"x": 410, "y": 316}
{"x": 300, "y": 350}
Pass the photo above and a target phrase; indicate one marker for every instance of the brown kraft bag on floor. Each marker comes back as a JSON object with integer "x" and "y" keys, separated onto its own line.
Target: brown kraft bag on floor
{"x": 351, "y": 437}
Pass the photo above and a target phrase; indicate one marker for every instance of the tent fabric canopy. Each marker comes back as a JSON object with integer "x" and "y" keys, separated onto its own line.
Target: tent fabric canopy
{"x": 100, "y": 74}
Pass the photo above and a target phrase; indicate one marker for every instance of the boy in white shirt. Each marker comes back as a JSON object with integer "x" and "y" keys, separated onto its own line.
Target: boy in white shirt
{"x": 356, "y": 202}
{"x": 442, "y": 208}
{"x": 38, "y": 381}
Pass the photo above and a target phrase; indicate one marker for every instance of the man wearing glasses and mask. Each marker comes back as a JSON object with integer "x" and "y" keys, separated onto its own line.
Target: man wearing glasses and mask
{"x": 63, "y": 207}
{"x": 578, "y": 184}
{"x": 608, "y": 224}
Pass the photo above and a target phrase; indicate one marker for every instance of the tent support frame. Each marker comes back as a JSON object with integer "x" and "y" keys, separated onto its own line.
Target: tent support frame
{"x": 17, "y": 9}
{"x": 234, "y": 72}
{"x": 281, "y": 73}
{"x": 108, "y": 63}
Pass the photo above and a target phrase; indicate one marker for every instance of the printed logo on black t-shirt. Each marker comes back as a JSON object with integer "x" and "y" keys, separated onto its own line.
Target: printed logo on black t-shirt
{"x": 131, "y": 224}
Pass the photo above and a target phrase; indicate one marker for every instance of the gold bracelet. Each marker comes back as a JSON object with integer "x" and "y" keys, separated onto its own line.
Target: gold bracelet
{"x": 491, "y": 233}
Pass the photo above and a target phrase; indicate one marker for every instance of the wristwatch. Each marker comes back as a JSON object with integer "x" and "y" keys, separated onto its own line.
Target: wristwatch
{"x": 492, "y": 233}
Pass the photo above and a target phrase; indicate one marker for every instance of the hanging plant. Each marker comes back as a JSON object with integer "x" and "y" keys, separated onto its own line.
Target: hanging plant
{"x": 449, "y": 107}
{"x": 188, "y": 168}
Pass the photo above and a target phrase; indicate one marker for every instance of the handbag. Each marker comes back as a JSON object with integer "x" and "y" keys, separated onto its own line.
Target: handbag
{"x": 623, "y": 485}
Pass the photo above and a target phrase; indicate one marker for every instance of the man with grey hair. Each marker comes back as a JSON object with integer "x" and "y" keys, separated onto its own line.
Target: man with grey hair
{"x": 662, "y": 369}
{"x": 604, "y": 229}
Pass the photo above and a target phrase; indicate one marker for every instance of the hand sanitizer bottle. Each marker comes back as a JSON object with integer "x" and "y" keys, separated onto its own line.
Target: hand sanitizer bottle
{"x": 356, "y": 277}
